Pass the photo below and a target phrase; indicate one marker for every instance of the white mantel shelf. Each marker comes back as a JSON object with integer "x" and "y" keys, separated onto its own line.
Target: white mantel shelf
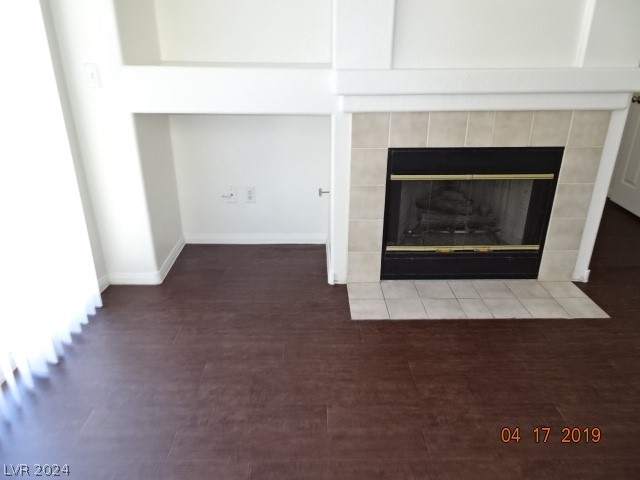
{"x": 245, "y": 89}
{"x": 486, "y": 81}
{"x": 318, "y": 89}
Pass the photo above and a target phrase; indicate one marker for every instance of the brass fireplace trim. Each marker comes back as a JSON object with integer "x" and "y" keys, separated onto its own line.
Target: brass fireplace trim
{"x": 460, "y": 248}
{"x": 477, "y": 176}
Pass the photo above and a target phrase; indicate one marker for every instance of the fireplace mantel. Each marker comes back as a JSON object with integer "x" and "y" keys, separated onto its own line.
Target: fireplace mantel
{"x": 486, "y": 81}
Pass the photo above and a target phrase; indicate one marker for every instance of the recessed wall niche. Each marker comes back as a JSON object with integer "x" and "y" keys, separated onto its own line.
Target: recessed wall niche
{"x": 179, "y": 32}
{"x": 190, "y": 161}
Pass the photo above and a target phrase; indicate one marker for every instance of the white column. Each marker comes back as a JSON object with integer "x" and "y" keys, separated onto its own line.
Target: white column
{"x": 600, "y": 191}
{"x": 340, "y": 176}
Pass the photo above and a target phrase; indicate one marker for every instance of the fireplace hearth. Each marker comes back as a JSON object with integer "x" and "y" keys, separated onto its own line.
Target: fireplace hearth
{"x": 467, "y": 212}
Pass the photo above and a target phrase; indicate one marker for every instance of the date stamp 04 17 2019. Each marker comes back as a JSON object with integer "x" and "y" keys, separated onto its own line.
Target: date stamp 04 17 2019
{"x": 544, "y": 435}
{"x": 36, "y": 470}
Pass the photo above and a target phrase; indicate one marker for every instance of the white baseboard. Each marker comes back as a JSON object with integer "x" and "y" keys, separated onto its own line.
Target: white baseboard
{"x": 126, "y": 278}
{"x": 256, "y": 239}
{"x": 171, "y": 258}
{"x": 103, "y": 283}
{"x": 583, "y": 277}
{"x": 156, "y": 278}
{"x": 150, "y": 278}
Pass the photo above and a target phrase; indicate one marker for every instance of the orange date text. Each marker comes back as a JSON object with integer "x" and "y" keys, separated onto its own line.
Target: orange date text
{"x": 546, "y": 435}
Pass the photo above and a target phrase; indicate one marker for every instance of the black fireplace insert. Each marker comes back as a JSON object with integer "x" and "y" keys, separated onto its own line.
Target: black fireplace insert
{"x": 467, "y": 212}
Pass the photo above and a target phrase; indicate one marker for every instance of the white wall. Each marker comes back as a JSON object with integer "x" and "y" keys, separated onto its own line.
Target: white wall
{"x": 286, "y": 158}
{"x": 487, "y": 33}
{"x": 615, "y": 34}
{"x": 87, "y": 33}
{"x": 85, "y": 194}
{"x": 156, "y": 158}
{"x": 273, "y": 31}
{"x": 44, "y": 236}
{"x": 363, "y": 33}
{"x": 138, "y": 31}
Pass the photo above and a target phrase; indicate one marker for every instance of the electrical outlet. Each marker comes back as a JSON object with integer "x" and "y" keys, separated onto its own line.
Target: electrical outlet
{"x": 230, "y": 195}
{"x": 250, "y": 194}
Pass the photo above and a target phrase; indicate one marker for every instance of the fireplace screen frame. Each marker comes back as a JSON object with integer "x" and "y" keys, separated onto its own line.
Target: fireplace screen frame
{"x": 541, "y": 164}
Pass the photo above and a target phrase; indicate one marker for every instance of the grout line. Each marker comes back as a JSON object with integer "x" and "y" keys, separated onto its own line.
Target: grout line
{"x": 428, "y": 128}
{"x": 533, "y": 121}
{"x": 426, "y": 142}
{"x": 466, "y": 132}
{"x": 387, "y": 308}
{"x": 487, "y": 307}
{"x": 530, "y": 312}
{"x": 369, "y": 148}
{"x": 566, "y": 142}
{"x": 424, "y": 307}
{"x": 512, "y": 290}
{"x": 493, "y": 128}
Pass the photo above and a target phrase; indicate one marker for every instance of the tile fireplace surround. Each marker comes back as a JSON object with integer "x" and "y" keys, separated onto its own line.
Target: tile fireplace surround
{"x": 581, "y": 132}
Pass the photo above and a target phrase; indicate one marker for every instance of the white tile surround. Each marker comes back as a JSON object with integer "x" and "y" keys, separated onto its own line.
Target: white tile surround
{"x": 581, "y": 132}
{"x": 473, "y": 299}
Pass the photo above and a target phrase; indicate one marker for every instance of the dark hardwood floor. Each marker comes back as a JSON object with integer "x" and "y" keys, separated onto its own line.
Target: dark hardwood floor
{"x": 244, "y": 364}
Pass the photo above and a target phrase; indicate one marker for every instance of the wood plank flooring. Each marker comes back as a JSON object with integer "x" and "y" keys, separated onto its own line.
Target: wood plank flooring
{"x": 244, "y": 365}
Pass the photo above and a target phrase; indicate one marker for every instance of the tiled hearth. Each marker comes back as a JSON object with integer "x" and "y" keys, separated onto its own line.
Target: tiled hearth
{"x": 475, "y": 299}
{"x": 582, "y": 133}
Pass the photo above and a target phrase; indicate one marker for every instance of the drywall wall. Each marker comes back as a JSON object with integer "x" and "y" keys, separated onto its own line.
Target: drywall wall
{"x": 487, "y": 34}
{"x": 85, "y": 194}
{"x": 154, "y": 146}
{"x": 274, "y": 31}
{"x": 138, "y": 31}
{"x": 614, "y": 39}
{"x": 286, "y": 159}
{"x": 363, "y": 33}
{"x": 87, "y": 34}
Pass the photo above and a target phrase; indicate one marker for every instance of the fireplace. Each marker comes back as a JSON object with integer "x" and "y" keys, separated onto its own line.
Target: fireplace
{"x": 467, "y": 212}
{"x": 581, "y": 133}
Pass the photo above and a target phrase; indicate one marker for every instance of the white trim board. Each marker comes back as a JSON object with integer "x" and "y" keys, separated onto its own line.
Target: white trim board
{"x": 599, "y": 196}
{"x": 488, "y": 102}
{"x": 137, "y": 278}
{"x": 486, "y": 81}
{"x": 256, "y": 239}
{"x": 103, "y": 283}
{"x": 171, "y": 258}
{"x": 148, "y": 278}
{"x": 330, "y": 274}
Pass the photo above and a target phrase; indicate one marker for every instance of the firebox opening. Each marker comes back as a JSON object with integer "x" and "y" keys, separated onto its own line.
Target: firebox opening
{"x": 467, "y": 212}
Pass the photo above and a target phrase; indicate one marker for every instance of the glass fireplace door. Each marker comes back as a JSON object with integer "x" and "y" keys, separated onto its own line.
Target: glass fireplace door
{"x": 467, "y": 212}
{"x": 475, "y": 212}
